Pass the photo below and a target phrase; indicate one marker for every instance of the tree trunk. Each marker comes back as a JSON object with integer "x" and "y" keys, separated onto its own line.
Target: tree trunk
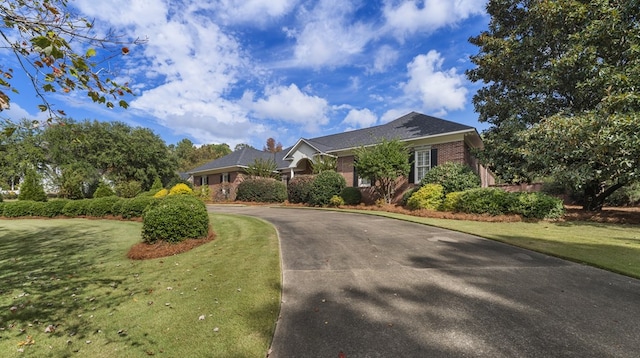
{"x": 594, "y": 196}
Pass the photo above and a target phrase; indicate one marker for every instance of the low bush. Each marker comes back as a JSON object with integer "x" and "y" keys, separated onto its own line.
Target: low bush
{"x": 116, "y": 208}
{"x": 451, "y": 200}
{"x": 264, "y": 190}
{"x": 299, "y": 188}
{"x": 18, "y": 208}
{"x": 429, "y": 196}
{"x": 325, "y": 186}
{"x": 75, "y": 208}
{"x": 336, "y": 201}
{"x": 103, "y": 191}
{"x": 181, "y": 189}
{"x": 102, "y": 206}
{"x": 134, "y": 207}
{"x": 174, "y": 219}
{"x": 128, "y": 189}
{"x": 452, "y": 176}
{"x": 161, "y": 193}
{"x": 490, "y": 201}
{"x": 31, "y": 188}
{"x": 52, "y": 208}
{"x": 537, "y": 206}
{"x": 407, "y": 194}
{"x": 351, "y": 195}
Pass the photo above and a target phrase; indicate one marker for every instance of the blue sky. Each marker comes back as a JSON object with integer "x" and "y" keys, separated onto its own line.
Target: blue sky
{"x": 241, "y": 71}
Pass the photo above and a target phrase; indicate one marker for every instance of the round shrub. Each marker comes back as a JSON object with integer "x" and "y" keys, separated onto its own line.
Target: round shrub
{"x": 351, "y": 195}
{"x": 134, "y": 207}
{"x": 537, "y": 206}
{"x": 19, "y": 208}
{"x": 264, "y": 190}
{"x": 31, "y": 188}
{"x": 490, "y": 201}
{"x": 336, "y": 201}
{"x": 161, "y": 193}
{"x": 53, "y": 208}
{"x": 407, "y": 194}
{"x": 325, "y": 186}
{"x": 428, "y": 197}
{"x": 451, "y": 200}
{"x": 103, "y": 191}
{"x": 180, "y": 189}
{"x": 299, "y": 188}
{"x": 102, "y": 206}
{"x": 452, "y": 177}
{"x": 75, "y": 208}
{"x": 174, "y": 219}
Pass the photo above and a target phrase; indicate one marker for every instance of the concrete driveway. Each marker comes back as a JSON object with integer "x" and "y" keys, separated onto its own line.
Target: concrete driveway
{"x": 365, "y": 286}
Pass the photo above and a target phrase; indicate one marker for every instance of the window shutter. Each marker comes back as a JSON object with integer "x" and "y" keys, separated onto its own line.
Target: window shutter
{"x": 221, "y": 176}
{"x": 412, "y": 170}
{"x": 434, "y": 157}
{"x": 355, "y": 177}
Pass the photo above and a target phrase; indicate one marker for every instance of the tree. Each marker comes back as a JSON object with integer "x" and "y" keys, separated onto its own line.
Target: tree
{"x": 189, "y": 156}
{"x": 272, "y": 146}
{"x": 46, "y": 38}
{"x": 240, "y": 146}
{"x": 383, "y": 164}
{"x": 322, "y": 163}
{"x": 560, "y": 92}
{"x": 262, "y": 168}
{"x": 31, "y": 188}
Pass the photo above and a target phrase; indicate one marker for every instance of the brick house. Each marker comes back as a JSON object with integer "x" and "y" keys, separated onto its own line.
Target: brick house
{"x": 430, "y": 141}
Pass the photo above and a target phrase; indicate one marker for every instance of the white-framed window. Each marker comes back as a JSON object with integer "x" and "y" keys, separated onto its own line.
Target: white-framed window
{"x": 205, "y": 180}
{"x": 422, "y": 162}
{"x": 363, "y": 182}
{"x": 225, "y": 177}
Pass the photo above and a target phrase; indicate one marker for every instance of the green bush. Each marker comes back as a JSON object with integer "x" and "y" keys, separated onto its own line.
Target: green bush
{"x": 51, "y": 208}
{"x": 490, "y": 201}
{"x": 116, "y": 208}
{"x": 351, "y": 195}
{"x": 628, "y": 195}
{"x": 19, "y": 208}
{"x": 452, "y": 177}
{"x": 451, "y": 200}
{"x": 103, "y": 191}
{"x": 325, "y": 186}
{"x": 336, "y": 201}
{"x": 31, "y": 188}
{"x": 174, "y": 219}
{"x": 134, "y": 207}
{"x": 265, "y": 190}
{"x": 75, "y": 208}
{"x": 102, "y": 206}
{"x": 129, "y": 189}
{"x": 429, "y": 196}
{"x": 537, "y": 206}
{"x": 407, "y": 194}
{"x": 299, "y": 188}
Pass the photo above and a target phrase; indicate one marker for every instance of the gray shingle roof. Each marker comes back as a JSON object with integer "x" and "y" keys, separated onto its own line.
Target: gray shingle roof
{"x": 242, "y": 157}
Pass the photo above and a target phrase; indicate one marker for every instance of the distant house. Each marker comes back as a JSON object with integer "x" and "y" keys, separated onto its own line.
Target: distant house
{"x": 430, "y": 141}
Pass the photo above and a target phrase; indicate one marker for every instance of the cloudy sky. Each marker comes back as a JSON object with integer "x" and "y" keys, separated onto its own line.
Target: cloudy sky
{"x": 241, "y": 71}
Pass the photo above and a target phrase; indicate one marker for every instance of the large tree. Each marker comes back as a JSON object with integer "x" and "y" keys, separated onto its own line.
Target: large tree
{"x": 59, "y": 52}
{"x": 560, "y": 92}
{"x": 189, "y": 156}
{"x": 382, "y": 164}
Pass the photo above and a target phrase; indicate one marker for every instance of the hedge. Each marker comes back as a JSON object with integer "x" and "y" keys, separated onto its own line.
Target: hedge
{"x": 76, "y": 208}
{"x": 351, "y": 195}
{"x": 175, "y": 218}
{"x": 134, "y": 207}
{"x": 325, "y": 186}
{"x": 102, "y": 206}
{"x": 265, "y": 190}
{"x": 299, "y": 188}
{"x": 429, "y": 197}
{"x": 452, "y": 176}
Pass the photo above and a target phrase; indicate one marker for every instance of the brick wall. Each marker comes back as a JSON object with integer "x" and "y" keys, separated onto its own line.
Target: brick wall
{"x": 345, "y": 167}
{"x": 451, "y": 152}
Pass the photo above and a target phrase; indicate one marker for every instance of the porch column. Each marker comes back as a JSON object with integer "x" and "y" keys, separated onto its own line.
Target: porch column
{"x": 292, "y": 173}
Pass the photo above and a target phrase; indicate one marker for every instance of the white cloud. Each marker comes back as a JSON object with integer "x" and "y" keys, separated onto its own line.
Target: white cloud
{"x": 289, "y": 104}
{"x": 252, "y": 11}
{"x": 412, "y": 16}
{"x": 15, "y": 113}
{"x": 438, "y": 90}
{"x": 362, "y": 118}
{"x": 384, "y": 57}
{"x": 392, "y": 114}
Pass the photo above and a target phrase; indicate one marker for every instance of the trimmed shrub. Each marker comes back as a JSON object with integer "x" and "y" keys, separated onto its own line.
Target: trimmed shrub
{"x": 75, "y": 208}
{"x": 452, "y": 177}
{"x": 537, "y": 206}
{"x": 429, "y": 197}
{"x": 263, "y": 190}
{"x": 490, "y": 201}
{"x": 161, "y": 193}
{"x": 299, "y": 188}
{"x": 336, "y": 201}
{"x": 31, "y": 188}
{"x": 134, "y": 207}
{"x": 156, "y": 186}
{"x": 325, "y": 186}
{"x": 129, "y": 189}
{"x": 451, "y": 200}
{"x": 103, "y": 191}
{"x": 351, "y": 195}
{"x": 102, "y": 206}
{"x": 181, "y": 189}
{"x": 52, "y": 208}
{"x": 19, "y": 208}
{"x": 174, "y": 219}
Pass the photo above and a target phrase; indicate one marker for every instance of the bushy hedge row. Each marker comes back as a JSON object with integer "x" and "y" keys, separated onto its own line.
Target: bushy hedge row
{"x": 100, "y": 207}
{"x": 263, "y": 190}
{"x": 175, "y": 218}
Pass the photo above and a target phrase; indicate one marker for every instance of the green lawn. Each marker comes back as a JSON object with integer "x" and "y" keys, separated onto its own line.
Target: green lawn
{"x": 612, "y": 247}
{"x": 218, "y": 300}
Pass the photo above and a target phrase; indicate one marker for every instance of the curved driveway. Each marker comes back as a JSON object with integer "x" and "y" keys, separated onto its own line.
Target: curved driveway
{"x": 369, "y": 286}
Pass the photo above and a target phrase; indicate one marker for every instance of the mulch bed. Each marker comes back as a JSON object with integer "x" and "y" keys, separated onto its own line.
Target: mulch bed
{"x": 144, "y": 251}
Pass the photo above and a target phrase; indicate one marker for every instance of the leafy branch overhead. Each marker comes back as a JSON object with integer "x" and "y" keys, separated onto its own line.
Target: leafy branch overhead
{"x": 57, "y": 51}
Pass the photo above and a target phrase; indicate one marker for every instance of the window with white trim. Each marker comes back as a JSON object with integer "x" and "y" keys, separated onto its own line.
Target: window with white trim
{"x": 422, "y": 162}
{"x": 205, "y": 180}
{"x": 225, "y": 177}
{"x": 363, "y": 182}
